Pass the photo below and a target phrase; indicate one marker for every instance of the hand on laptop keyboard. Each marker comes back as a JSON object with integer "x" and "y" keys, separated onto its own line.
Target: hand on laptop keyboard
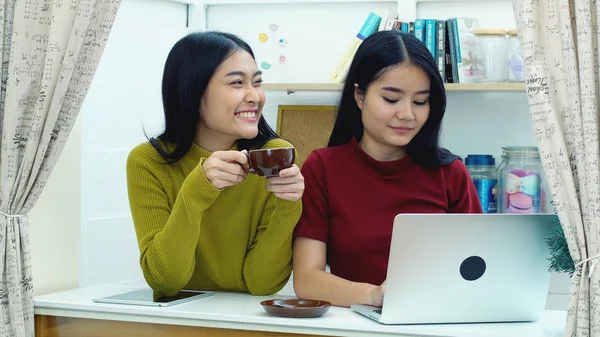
{"x": 376, "y": 296}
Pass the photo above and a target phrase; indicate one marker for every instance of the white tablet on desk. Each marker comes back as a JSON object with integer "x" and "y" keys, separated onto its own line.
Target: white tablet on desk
{"x": 147, "y": 297}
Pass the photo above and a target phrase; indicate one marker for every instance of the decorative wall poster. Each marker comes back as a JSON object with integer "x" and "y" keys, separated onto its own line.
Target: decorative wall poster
{"x": 271, "y": 51}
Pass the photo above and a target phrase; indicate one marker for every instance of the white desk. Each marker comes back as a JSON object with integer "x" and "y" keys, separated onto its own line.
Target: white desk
{"x": 73, "y": 313}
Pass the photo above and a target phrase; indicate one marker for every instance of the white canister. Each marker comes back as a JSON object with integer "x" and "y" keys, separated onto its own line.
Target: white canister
{"x": 514, "y": 62}
{"x": 493, "y": 54}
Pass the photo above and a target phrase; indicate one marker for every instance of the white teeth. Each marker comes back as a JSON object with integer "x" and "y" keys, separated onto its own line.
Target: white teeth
{"x": 247, "y": 114}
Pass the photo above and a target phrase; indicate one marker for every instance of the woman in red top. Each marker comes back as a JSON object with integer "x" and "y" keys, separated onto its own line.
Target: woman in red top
{"x": 383, "y": 159}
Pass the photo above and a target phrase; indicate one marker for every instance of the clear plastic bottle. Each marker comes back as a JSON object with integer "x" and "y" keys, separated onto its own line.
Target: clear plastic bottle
{"x": 521, "y": 181}
{"x": 482, "y": 168}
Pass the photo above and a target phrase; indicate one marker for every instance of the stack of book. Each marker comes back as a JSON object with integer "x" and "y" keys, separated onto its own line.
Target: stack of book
{"x": 451, "y": 43}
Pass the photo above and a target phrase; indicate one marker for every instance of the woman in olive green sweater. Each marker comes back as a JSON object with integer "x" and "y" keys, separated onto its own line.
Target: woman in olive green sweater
{"x": 201, "y": 221}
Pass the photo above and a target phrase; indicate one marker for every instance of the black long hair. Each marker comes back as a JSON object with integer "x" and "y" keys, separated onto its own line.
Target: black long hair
{"x": 190, "y": 64}
{"x": 377, "y": 54}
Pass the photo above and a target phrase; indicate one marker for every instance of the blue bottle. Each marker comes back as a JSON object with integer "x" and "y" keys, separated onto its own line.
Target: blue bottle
{"x": 482, "y": 168}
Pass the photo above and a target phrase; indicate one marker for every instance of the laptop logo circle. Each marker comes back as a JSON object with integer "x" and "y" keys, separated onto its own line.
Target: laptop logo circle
{"x": 472, "y": 268}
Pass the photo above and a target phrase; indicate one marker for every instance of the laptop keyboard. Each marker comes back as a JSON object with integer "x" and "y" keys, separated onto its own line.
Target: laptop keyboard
{"x": 377, "y": 311}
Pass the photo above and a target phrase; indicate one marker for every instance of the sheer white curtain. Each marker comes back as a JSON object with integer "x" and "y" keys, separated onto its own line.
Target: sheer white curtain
{"x": 559, "y": 42}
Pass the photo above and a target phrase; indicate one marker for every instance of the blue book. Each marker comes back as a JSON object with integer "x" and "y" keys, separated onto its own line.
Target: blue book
{"x": 420, "y": 30}
{"x": 452, "y": 50}
{"x": 404, "y": 27}
{"x": 430, "y": 36}
{"x": 457, "y": 51}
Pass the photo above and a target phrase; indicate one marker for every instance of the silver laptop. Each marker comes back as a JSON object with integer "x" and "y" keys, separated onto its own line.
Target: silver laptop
{"x": 465, "y": 268}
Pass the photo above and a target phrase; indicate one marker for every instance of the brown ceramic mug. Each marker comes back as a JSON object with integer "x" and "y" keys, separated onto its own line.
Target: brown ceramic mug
{"x": 269, "y": 162}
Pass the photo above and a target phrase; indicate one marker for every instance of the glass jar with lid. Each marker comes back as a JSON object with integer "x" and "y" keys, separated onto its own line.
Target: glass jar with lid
{"x": 492, "y": 44}
{"x": 514, "y": 63}
{"x": 521, "y": 181}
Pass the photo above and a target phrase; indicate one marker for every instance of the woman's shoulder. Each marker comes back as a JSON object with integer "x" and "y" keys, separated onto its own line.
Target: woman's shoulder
{"x": 328, "y": 158}
{"x": 277, "y": 143}
{"x": 316, "y": 156}
{"x": 455, "y": 168}
{"x": 143, "y": 151}
{"x": 329, "y": 153}
{"x": 146, "y": 154}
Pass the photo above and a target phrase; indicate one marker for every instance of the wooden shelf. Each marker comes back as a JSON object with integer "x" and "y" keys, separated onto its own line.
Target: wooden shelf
{"x": 485, "y": 86}
{"x": 302, "y": 86}
{"x": 293, "y": 87}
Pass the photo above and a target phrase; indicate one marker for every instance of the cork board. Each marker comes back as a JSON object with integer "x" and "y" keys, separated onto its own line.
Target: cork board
{"x": 307, "y": 127}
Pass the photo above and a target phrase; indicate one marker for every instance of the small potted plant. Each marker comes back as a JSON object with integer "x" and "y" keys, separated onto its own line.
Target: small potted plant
{"x": 560, "y": 257}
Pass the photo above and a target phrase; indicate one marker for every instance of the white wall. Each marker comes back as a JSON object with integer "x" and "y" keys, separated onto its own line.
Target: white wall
{"x": 124, "y": 99}
{"x": 317, "y": 34}
{"x": 55, "y": 222}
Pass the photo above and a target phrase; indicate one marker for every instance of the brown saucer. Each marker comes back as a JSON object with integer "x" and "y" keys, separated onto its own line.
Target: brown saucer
{"x": 296, "y": 308}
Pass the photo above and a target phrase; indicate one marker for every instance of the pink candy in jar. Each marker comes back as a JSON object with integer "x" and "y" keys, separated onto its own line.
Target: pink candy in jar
{"x": 524, "y": 193}
{"x": 521, "y": 181}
